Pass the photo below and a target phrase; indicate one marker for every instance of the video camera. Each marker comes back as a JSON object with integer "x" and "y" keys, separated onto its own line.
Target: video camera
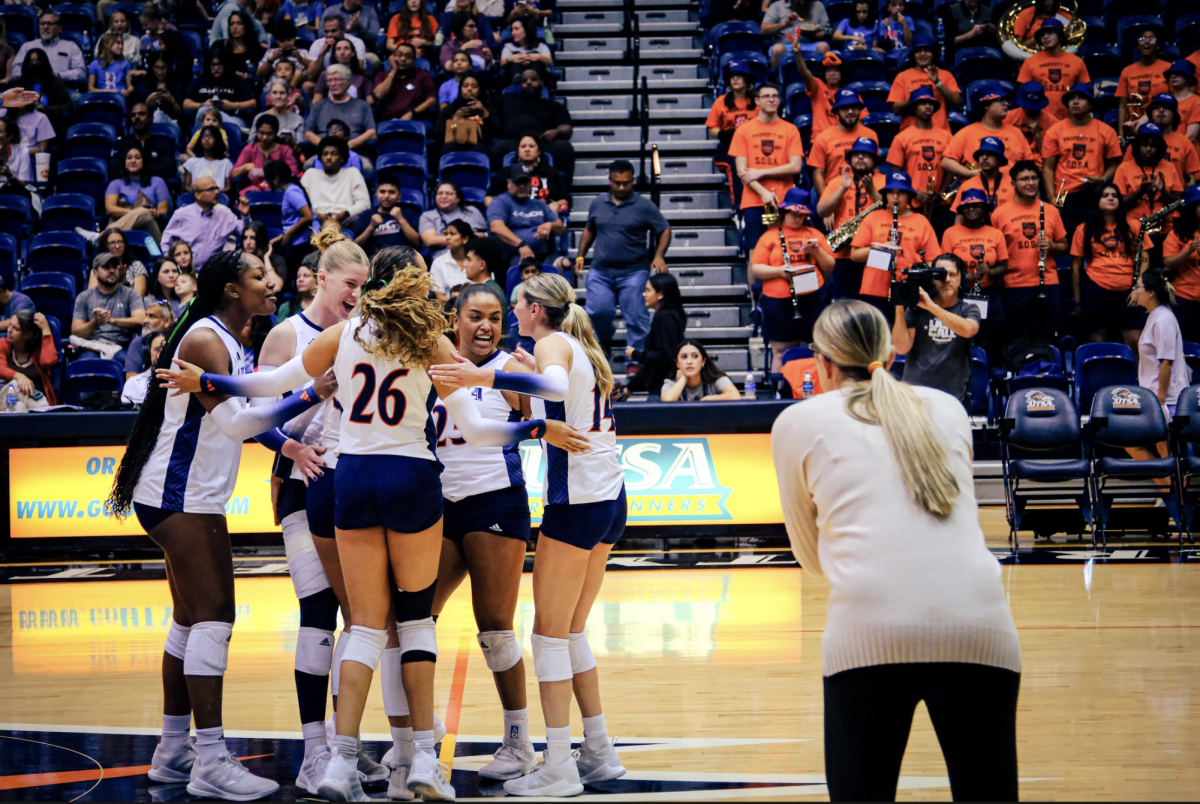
{"x": 919, "y": 275}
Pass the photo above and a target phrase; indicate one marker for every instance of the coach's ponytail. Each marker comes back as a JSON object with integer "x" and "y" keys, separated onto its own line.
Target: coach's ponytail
{"x": 557, "y": 298}
{"x": 854, "y": 336}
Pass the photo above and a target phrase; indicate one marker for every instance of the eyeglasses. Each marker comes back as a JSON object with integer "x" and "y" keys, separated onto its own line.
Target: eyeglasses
{"x": 112, "y": 243}
{"x": 1150, "y": 40}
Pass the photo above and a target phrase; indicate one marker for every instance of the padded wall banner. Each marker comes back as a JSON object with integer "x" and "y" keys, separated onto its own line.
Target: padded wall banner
{"x": 57, "y": 492}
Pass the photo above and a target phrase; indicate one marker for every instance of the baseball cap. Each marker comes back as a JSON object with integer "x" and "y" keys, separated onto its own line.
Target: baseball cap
{"x": 845, "y": 97}
{"x": 518, "y": 172}
{"x": 102, "y": 259}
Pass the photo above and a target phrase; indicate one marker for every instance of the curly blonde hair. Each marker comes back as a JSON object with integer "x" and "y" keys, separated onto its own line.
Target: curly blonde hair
{"x": 404, "y": 323}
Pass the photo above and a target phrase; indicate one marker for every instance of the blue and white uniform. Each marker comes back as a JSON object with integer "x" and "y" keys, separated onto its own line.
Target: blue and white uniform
{"x": 193, "y": 467}
{"x": 389, "y": 473}
{"x": 484, "y": 487}
{"x": 318, "y": 497}
{"x": 583, "y": 495}
{"x": 305, "y": 428}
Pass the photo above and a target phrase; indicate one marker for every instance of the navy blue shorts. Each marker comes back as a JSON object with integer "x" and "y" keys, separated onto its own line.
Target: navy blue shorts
{"x": 1108, "y": 309}
{"x": 504, "y": 512}
{"x": 291, "y": 498}
{"x": 318, "y": 504}
{"x": 400, "y": 493}
{"x": 150, "y": 517}
{"x": 587, "y": 524}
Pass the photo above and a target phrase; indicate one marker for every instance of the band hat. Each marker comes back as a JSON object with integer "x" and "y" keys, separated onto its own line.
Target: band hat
{"x": 991, "y": 145}
{"x": 845, "y": 98}
{"x": 1052, "y": 24}
{"x": 1163, "y": 99}
{"x": 921, "y": 95}
{"x": 899, "y": 180}
{"x": 738, "y": 66}
{"x": 796, "y": 200}
{"x": 990, "y": 91}
{"x": 1148, "y": 130}
{"x": 1182, "y": 67}
{"x": 864, "y": 145}
{"x": 1191, "y": 195}
{"x": 1082, "y": 88}
{"x": 921, "y": 42}
{"x": 973, "y": 196}
{"x": 1031, "y": 97}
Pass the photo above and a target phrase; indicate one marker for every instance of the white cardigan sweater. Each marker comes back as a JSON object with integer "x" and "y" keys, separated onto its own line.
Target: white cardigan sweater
{"x": 905, "y": 586}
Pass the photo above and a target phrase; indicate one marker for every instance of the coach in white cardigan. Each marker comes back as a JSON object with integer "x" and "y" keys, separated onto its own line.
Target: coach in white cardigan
{"x": 878, "y": 496}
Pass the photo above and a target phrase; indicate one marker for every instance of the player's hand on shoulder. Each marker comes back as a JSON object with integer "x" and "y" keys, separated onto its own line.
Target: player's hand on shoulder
{"x": 565, "y": 437}
{"x": 462, "y": 373}
{"x": 325, "y": 385}
{"x": 530, "y": 362}
{"x": 183, "y": 380}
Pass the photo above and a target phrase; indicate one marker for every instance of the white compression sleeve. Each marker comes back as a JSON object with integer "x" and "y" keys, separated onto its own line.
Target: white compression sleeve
{"x": 288, "y": 377}
{"x": 483, "y": 432}
{"x": 239, "y": 421}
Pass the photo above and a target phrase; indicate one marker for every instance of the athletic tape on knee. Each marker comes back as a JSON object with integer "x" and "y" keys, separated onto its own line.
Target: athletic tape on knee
{"x": 297, "y": 539}
{"x": 177, "y": 639}
{"x": 501, "y": 650}
{"x": 314, "y": 651}
{"x": 319, "y": 610}
{"x": 582, "y": 659}
{"x": 339, "y": 651}
{"x": 308, "y": 575}
{"x": 395, "y": 702}
{"x": 366, "y": 646}
{"x": 418, "y": 641}
{"x": 207, "y": 651}
{"x": 551, "y": 658}
{"x": 414, "y": 605}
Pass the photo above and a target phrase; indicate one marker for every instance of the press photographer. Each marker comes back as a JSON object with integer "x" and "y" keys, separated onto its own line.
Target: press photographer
{"x": 934, "y": 327}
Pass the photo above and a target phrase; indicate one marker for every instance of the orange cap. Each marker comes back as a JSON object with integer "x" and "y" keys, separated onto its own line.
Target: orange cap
{"x": 831, "y": 60}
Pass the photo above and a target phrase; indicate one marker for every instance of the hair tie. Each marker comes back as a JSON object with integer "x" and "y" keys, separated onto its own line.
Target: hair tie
{"x": 875, "y": 364}
{"x": 374, "y": 283}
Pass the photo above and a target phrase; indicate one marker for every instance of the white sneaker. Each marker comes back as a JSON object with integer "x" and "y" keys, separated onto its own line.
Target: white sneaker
{"x": 439, "y": 734}
{"x": 548, "y": 780}
{"x": 340, "y": 782}
{"x": 398, "y": 783}
{"x": 599, "y": 766}
{"x": 511, "y": 761}
{"x": 88, "y": 235}
{"x": 369, "y": 770}
{"x": 427, "y": 778}
{"x": 313, "y": 768}
{"x": 173, "y": 767}
{"x": 228, "y": 779}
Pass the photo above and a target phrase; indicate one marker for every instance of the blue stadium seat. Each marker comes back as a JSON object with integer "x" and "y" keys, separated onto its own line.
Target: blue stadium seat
{"x": 976, "y": 88}
{"x": 83, "y": 174}
{"x": 15, "y": 216}
{"x": 58, "y": 252}
{"x": 8, "y": 260}
{"x": 874, "y": 95}
{"x": 755, "y": 61}
{"x": 1102, "y": 364}
{"x": 407, "y": 170}
{"x": 79, "y": 17}
{"x": 839, "y": 10}
{"x": 401, "y": 136}
{"x": 1185, "y": 430}
{"x": 788, "y": 74}
{"x": 886, "y": 126}
{"x": 865, "y": 65}
{"x": 83, "y": 40}
{"x": 978, "y": 63}
{"x": 90, "y": 139}
{"x": 20, "y": 19}
{"x": 101, "y": 107}
{"x": 978, "y": 391}
{"x": 15, "y": 39}
{"x": 169, "y": 130}
{"x": 797, "y": 100}
{"x": 412, "y": 204}
{"x": 467, "y": 169}
{"x": 87, "y": 377}
{"x": 266, "y": 207}
{"x": 143, "y": 247}
{"x": 958, "y": 120}
{"x": 1191, "y": 353}
{"x": 65, "y": 211}
{"x": 1102, "y": 61}
{"x": 195, "y": 43}
{"x": 732, "y": 36}
{"x": 52, "y": 293}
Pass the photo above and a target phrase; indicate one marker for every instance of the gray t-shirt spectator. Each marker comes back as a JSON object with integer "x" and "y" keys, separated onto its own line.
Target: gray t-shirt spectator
{"x": 779, "y": 11}
{"x": 621, "y": 231}
{"x": 939, "y": 358}
{"x": 17, "y": 301}
{"x": 121, "y": 303}
{"x": 368, "y": 21}
{"x": 355, "y": 113}
{"x": 523, "y": 219}
{"x": 437, "y": 220}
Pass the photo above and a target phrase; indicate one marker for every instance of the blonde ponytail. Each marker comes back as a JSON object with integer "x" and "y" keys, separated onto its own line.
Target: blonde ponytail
{"x": 855, "y": 337}
{"x": 557, "y": 298}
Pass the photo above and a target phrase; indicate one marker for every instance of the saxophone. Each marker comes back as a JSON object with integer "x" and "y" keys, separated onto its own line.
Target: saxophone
{"x": 846, "y": 232}
{"x": 1150, "y": 225}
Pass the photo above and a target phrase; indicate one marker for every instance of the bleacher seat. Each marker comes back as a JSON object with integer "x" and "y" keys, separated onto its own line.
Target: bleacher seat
{"x": 20, "y": 19}
{"x": 15, "y": 216}
{"x": 90, "y": 139}
{"x": 731, "y": 36}
{"x": 143, "y": 247}
{"x": 874, "y": 95}
{"x": 83, "y": 174}
{"x": 756, "y": 63}
{"x": 886, "y": 126}
{"x": 978, "y": 63}
{"x": 1102, "y": 61}
{"x": 101, "y": 107}
{"x": 1191, "y": 353}
{"x": 195, "y": 41}
{"x": 1185, "y": 430}
{"x": 467, "y": 169}
{"x": 839, "y": 10}
{"x": 412, "y": 204}
{"x": 978, "y": 392}
{"x": 87, "y": 377}
{"x": 63, "y": 212}
{"x": 266, "y": 207}
{"x": 864, "y": 65}
{"x": 8, "y": 260}
{"x": 974, "y": 89}
{"x": 401, "y": 136}
{"x": 407, "y": 170}
{"x": 83, "y": 40}
{"x": 79, "y": 17}
{"x": 797, "y": 100}
{"x": 1101, "y": 364}
{"x": 52, "y": 293}
{"x": 169, "y": 130}
{"x": 58, "y": 252}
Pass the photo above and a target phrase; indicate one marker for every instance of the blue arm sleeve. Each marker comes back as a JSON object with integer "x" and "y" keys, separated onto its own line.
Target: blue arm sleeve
{"x": 550, "y": 385}
{"x": 483, "y": 432}
{"x": 272, "y": 440}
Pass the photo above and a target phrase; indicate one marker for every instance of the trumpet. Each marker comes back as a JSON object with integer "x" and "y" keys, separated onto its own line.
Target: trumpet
{"x": 1060, "y": 197}
{"x": 931, "y": 188}
{"x": 846, "y": 232}
{"x": 1135, "y": 106}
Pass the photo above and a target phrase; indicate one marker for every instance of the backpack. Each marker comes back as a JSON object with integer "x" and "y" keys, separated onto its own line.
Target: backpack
{"x": 1024, "y": 351}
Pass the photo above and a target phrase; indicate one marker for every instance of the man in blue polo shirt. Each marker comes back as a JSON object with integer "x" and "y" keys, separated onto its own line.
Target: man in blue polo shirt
{"x": 526, "y": 226}
{"x": 617, "y": 224}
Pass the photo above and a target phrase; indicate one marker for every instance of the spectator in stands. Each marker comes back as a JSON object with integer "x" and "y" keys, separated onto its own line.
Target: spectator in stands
{"x": 538, "y": 10}
{"x": 11, "y": 303}
{"x": 137, "y": 386}
{"x": 858, "y": 31}
{"x": 242, "y": 51}
{"x": 160, "y": 38}
{"x": 334, "y": 192}
{"x": 969, "y": 24}
{"x": 27, "y": 354}
{"x": 1078, "y": 154}
{"x": 449, "y": 204}
{"x": 55, "y": 101}
{"x": 296, "y": 215}
{"x": 980, "y": 246}
{"x": 135, "y": 199}
{"x": 36, "y": 129}
{"x": 161, "y": 290}
{"x": 697, "y": 378}
{"x": 211, "y": 161}
{"x": 354, "y": 112}
{"x": 219, "y": 88}
{"x": 16, "y": 170}
{"x": 111, "y": 71}
{"x": 894, "y": 32}
{"x": 360, "y": 19}
{"x": 820, "y": 91}
{"x": 991, "y": 180}
{"x": 484, "y": 261}
{"x": 8, "y": 54}
{"x": 918, "y": 150}
{"x": 291, "y": 124}
{"x": 114, "y": 243}
{"x": 527, "y": 110}
{"x": 66, "y": 59}
{"x": 733, "y": 108}
{"x": 388, "y": 226}
{"x": 205, "y": 225}
{"x": 180, "y": 253}
{"x": 403, "y": 92}
{"x": 619, "y": 223}
{"x": 460, "y": 68}
{"x": 1030, "y": 226}
{"x": 158, "y": 152}
{"x": 935, "y": 338}
{"x": 546, "y": 182}
{"x": 1181, "y": 77}
{"x": 791, "y": 23}
{"x": 1162, "y": 364}
{"x": 285, "y": 50}
{"x": 525, "y": 49}
{"x": 768, "y": 156}
{"x": 108, "y": 315}
{"x": 467, "y": 123}
{"x": 185, "y": 287}
{"x": 1181, "y": 258}
{"x": 220, "y": 26}
{"x": 465, "y": 39}
{"x": 413, "y": 26}
{"x": 1105, "y": 245}
{"x": 160, "y": 89}
{"x": 265, "y": 149}
{"x": 1145, "y": 77}
{"x": 320, "y": 54}
{"x": 1031, "y": 117}
{"x": 256, "y": 241}
{"x": 1149, "y": 181}
{"x": 484, "y": 11}
{"x": 992, "y": 106}
{"x": 360, "y": 84}
{"x": 1181, "y": 151}
{"x": 828, "y": 153}
{"x": 656, "y": 358}
{"x": 159, "y": 318}
{"x": 449, "y": 269}
{"x": 306, "y": 291}
{"x": 1052, "y": 67}
{"x": 526, "y": 225}
{"x": 924, "y": 72}
{"x": 118, "y": 23}
{"x": 1031, "y": 19}
{"x": 302, "y": 14}
{"x": 858, "y": 187}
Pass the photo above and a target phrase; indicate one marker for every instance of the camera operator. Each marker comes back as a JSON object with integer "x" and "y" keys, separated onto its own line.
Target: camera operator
{"x": 936, "y": 334}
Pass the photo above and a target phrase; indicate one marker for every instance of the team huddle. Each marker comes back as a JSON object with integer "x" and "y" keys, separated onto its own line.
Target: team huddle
{"x": 397, "y": 476}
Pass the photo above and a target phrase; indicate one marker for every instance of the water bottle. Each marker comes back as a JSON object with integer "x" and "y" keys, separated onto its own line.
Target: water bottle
{"x": 751, "y": 391}
{"x": 941, "y": 35}
{"x": 806, "y": 389}
{"x": 10, "y": 398}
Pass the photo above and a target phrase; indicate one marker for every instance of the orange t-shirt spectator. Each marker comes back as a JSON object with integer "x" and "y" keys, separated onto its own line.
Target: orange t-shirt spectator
{"x": 918, "y": 149}
{"x": 1110, "y": 264}
{"x": 829, "y": 148}
{"x": 924, "y": 73}
{"x": 1030, "y": 20}
{"x": 916, "y": 235}
{"x": 767, "y": 143}
{"x": 414, "y": 25}
{"x": 1055, "y": 69}
{"x": 1080, "y": 147}
{"x": 1151, "y": 168}
{"x": 1019, "y": 224}
{"x": 979, "y": 245}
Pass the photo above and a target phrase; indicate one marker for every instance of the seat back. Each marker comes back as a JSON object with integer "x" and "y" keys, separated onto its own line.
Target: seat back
{"x": 1041, "y": 419}
{"x": 8, "y": 260}
{"x": 1186, "y": 423}
{"x": 266, "y": 207}
{"x": 14, "y": 215}
{"x": 466, "y": 169}
{"x": 53, "y": 294}
{"x": 86, "y": 377}
{"x": 1098, "y": 372}
{"x": 1191, "y": 353}
{"x": 20, "y": 19}
{"x": 90, "y": 139}
{"x": 978, "y": 386}
{"x": 755, "y": 61}
{"x": 407, "y": 170}
{"x": 1127, "y": 416}
{"x": 101, "y": 107}
{"x": 58, "y": 252}
{"x": 62, "y": 212}
{"x": 83, "y": 174}
{"x": 401, "y": 136}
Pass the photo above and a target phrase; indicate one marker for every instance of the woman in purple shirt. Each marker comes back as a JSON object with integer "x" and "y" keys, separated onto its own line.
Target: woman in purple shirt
{"x": 136, "y": 200}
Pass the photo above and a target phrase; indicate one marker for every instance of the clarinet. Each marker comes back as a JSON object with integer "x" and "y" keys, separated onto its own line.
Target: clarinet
{"x": 1041, "y": 251}
{"x": 787, "y": 270}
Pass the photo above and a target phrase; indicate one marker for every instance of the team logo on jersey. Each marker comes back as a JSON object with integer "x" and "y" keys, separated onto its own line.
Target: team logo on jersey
{"x": 767, "y": 146}
{"x": 1124, "y": 399}
{"x": 1038, "y": 402}
{"x": 927, "y": 153}
{"x": 977, "y": 252}
{"x": 1079, "y": 150}
{"x": 1054, "y": 74}
{"x": 1110, "y": 242}
{"x": 477, "y": 394}
{"x": 1029, "y": 230}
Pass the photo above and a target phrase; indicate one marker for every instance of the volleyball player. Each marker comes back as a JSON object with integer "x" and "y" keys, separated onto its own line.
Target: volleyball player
{"x": 177, "y": 475}
{"x": 388, "y": 496}
{"x": 585, "y": 511}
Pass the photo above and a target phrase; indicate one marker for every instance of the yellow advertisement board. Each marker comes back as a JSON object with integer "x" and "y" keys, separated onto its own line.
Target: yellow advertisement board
{"x": 57, "y": 492}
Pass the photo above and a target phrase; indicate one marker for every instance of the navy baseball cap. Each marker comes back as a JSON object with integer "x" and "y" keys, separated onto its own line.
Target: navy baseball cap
{"x": 1031, "y": 97}
{"x": 973, "y": 196}
{"x": 518, "y": 172}
{"x": 796, "y": 200}
{"x": 992, "y": 145}
{"x": 899, "y": 180}
{"x": 922, "y": 95}
{"x": 1082, "y": 88}
{"x": 844, "y": 98}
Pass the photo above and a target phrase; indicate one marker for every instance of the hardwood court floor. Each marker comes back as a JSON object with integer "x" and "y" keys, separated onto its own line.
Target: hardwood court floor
{"x": 713, "y": 675}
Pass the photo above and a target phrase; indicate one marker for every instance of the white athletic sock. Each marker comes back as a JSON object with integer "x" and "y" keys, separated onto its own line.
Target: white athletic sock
{"x": 402, "y": 744}
{"x": 516, "y": 725}
{"x": 175, "y": 731}
{"x": 595, "y": 733}
{"x": 210, "y": 743}
{"x": 558, "y": 745}
{"x": 314, "y": 737}
{"x": 348, "y": 747}
{"x": 424, "y": 741}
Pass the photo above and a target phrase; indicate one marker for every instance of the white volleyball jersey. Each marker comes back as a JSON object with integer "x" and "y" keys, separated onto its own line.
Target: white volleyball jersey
{"x": 594, "y": 476}
{"x": 331, "y": 429}
{"x": 472, "y": 470}
{"x": 305, "y": 428}
{"x": 193, "y": 467}
{"x": 385, "y": 406}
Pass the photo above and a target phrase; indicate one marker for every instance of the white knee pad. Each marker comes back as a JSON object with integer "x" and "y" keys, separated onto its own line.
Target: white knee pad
{"x": 501, "y": 650}
{"x": 207, "y": 651}
{"x": 366, "y": 646}
{"x": 582, "y": 659}
{"x": 395, "y": 702}
{"x": 314, "y": 651}
{"x": 418, "y": 640}
{"x": 338, "y": 652}
{"x": 177, "y": 639}
{"x": 551, "y": 658}
{"x": 304, "y": 565}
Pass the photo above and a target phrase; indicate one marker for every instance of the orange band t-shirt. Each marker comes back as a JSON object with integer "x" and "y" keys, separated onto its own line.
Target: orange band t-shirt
{"x": 1187, "y": 276}
{"x": 823, "y": 117}
{"x": 1018, "y": 118}
{"x": 1081, "y": 151}
{"x": 854, "y": 201}
{"x": 830, "y": 146}
{"x": 908, "y": 80}
{"x": 1019, "y": 225}
{"x": 916, "y": 235}
{"x": 1111, "y": 266}
{"x": 978, "y": 248}
{"x": 724, "y": 118}
{"x": 766, "y": 145}
{"x": 965, "y": 143}
{"x": 1057, "y": 74}
{"x": 1130, "y": 176}
{"x": 769, "y": 251}
{"x": 1143, "y": 80}
{"x": 1029, "y": 21}
{"x": 1180, "y": 151}
{"x": 998, "y": 192}
{"x": 919, "y": 154}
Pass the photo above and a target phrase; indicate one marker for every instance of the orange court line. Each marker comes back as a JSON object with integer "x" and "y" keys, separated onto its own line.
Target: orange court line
{"x": 68, "y": 777}
{"x": 454, "y": 707}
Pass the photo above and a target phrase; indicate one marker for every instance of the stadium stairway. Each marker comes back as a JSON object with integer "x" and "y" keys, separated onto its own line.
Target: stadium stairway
{"x": 635, "y": 80}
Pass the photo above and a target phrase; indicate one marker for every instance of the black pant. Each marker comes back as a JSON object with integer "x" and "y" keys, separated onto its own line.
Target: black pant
{"x": 1075, "y": 209}
{"x": 868, "y": 715}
